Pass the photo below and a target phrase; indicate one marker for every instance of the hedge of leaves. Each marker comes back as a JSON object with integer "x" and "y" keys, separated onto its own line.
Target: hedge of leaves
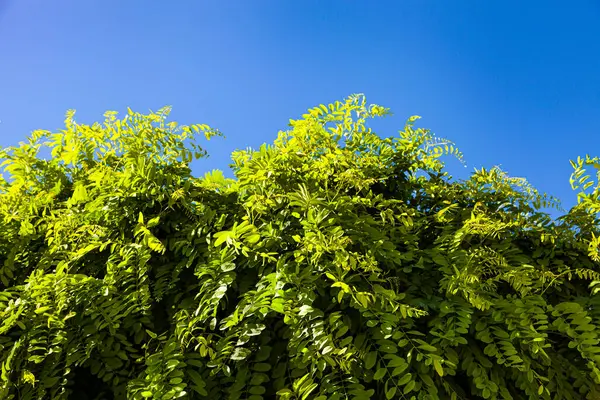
{"x": 336, "y": 265}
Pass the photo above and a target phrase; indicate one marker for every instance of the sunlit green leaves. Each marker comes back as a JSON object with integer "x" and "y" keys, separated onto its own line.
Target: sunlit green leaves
{"x": 336, "y": 264}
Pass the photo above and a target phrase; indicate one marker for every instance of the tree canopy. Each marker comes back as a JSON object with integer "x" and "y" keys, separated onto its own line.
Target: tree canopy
{"x": 337, "y": 264}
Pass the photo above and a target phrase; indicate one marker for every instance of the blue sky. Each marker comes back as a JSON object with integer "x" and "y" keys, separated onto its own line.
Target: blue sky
{"x": 513, "y": 83}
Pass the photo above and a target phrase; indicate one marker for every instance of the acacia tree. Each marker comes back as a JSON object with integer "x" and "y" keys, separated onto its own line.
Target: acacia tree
{"x": 336, "y": 265}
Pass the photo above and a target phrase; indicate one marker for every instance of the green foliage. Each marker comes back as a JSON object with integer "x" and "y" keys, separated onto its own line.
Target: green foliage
{"x": 336, "y": 265}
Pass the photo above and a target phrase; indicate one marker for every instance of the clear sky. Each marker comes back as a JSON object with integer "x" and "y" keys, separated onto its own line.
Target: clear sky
{"x": 515, "y": 83}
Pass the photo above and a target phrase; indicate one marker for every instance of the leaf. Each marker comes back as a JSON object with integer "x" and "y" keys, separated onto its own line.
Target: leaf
{"x": 370, "y": 359}
{"x": 228, "y": 266}
{"x": 427, "y": 347}
{"x": 305, "y": 310}
{"x": 409, "y": 387}
{"x": 151, "y": 334}
{"x": 278, "y": 305}
{"x": 28, "y": 377}
{"x": 240, "y": 353}
{"x": 153, "y": 222}
{"x": 342, "y": 331}
{"x": 262, "y": 367}
{"x": 405, "y": 379}
{"x": 252, "y": 239}
{"x": 196, "y": 378}
{"x": 391, "y": 393}
{"x": 363, "y": 299}
{"x": 396, "y": 361}
{"x": 380, "y": 374}
{"x": 438, "y": 367}
{"x": 221, "y": 237}
{"x": 400, "y": 369}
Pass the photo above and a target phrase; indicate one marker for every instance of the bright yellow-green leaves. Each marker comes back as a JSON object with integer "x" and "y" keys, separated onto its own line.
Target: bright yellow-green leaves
{"x": 337, "y": 264}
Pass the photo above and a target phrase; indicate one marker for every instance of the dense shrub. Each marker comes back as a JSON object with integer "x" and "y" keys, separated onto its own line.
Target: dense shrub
{"x": 337, "y": 264}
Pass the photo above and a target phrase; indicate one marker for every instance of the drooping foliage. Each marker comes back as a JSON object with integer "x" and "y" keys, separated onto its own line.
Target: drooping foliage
{"x": 338, "y": 264}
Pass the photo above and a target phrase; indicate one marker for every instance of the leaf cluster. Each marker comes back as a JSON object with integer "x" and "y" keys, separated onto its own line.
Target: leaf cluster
{"x": 336, "y": 265}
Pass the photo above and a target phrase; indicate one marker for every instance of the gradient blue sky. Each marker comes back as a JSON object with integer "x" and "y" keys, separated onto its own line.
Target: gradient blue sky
{"x": 515, "y": 83}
